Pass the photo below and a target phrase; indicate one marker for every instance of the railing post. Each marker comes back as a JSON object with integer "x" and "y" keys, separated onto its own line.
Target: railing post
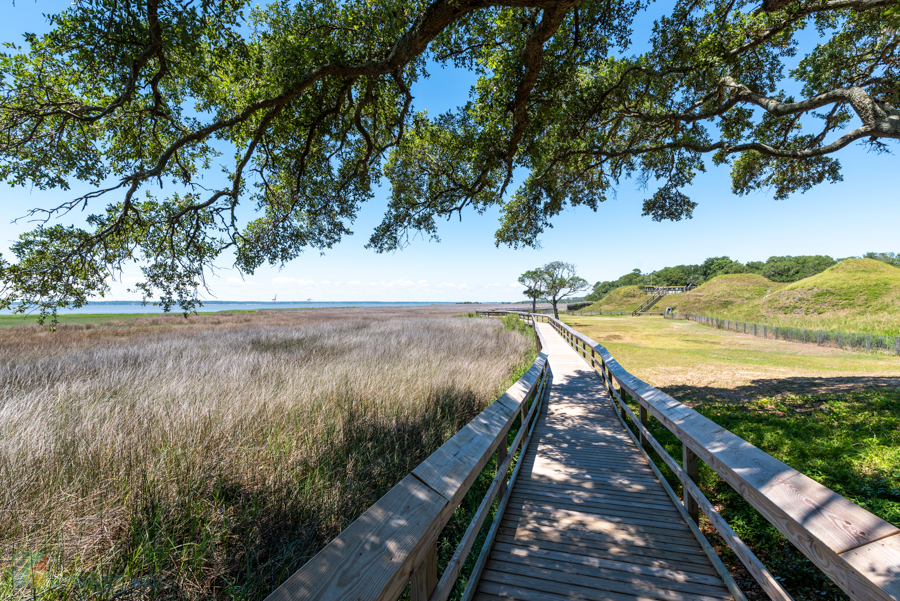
{"x": 644, "y": 442}
{"x": 692, "y": 469}
{"x": 424, "y": 577}
{"x": 501, "y": 457}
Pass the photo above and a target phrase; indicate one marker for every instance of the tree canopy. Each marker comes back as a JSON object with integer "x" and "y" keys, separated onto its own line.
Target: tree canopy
{"x": 533, "y": 280}
{"x": 558, "y": 280}
{"x": 312, "y": 100}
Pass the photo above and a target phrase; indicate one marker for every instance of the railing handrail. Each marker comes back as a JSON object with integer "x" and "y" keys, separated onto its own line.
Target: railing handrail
{"x": 394, "y": 542}
{"x": 664, "y": 289}
{"x": 856, "y": 549}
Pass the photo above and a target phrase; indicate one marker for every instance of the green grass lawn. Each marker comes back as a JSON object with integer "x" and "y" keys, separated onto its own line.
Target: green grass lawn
{"x": 833, "y": 415}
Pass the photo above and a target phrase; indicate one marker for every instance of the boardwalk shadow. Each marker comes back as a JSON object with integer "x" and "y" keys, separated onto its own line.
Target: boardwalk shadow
{"x": 779, "y": 387}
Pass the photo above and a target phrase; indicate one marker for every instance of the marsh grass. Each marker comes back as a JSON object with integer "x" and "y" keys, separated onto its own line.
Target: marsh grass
{"x": 150, "y": 460}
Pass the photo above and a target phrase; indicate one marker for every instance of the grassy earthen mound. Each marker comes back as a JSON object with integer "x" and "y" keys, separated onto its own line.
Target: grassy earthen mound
{"x": 626, "y": 298}
{"x": 856, "y": 295}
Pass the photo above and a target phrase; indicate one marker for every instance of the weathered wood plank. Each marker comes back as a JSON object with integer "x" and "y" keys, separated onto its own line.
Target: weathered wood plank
{"x": 624, "y": 539}
{"x": 597, "y": 502}
{"x": 880, "y": 562}
{"x": 545, "y": 507}
{"x": 605, "y": 579}
{"x": 582, "y": 588}
{"x": 590, "y": 562}
{"x": 624, "y": 554}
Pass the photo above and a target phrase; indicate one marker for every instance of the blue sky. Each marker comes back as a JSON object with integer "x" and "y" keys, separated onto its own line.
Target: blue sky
{"x": 857, "y": 215}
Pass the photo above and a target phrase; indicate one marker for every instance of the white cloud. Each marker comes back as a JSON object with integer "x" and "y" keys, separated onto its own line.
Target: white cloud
{"x": 516, "y": 285}
{"x": 423, "y": 283}
{"x": 354, "y": 283}
{"x": 446, "y": 285}
{"x": 286, "y": 280}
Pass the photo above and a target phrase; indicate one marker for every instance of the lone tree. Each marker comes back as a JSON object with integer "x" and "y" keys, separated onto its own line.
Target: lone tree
{"x": 533, "y": 281}
{"x": 560, "y": 281}
{"x": 304, "y": 106}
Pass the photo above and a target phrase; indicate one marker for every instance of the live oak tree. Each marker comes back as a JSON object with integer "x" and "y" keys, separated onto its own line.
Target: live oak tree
{"x": 533, "y": 280}
{"x": 559, "y": 281}
{"x": 305, "y": 106}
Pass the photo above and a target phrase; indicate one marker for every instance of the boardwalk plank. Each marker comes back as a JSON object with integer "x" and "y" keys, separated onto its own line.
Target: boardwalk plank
{"x": 642, "y": 556}
{"x": 604, "y": 578}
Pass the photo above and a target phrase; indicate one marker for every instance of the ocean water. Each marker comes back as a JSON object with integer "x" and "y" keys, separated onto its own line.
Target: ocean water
{"x": 212, "y": 306}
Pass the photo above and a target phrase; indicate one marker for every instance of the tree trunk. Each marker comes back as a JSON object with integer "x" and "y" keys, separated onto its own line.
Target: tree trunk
{"x": 555, "y": 312}
{"x": 534, "y": 305}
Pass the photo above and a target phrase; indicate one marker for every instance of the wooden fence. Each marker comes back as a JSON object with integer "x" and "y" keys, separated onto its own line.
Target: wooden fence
{"x": 842, "y": 340}
{"x": 394, "y": 543}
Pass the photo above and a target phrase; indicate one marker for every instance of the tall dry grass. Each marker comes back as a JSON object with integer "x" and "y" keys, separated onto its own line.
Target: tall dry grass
{"x": 151, "y": 461}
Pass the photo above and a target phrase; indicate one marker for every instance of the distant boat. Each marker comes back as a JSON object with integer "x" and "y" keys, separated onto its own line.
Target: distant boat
{"x": 275, "y": 300}
{"x": 309, "y": 300}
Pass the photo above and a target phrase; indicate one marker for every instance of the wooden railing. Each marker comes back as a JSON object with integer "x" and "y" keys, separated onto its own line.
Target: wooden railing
{"x": 666, "y": 289}
{"x": 394, "y": 543}
{"x": 856, "y": 549}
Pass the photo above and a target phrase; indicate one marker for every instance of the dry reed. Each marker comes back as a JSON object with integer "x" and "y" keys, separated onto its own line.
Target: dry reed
{"x": 150, "y": 461}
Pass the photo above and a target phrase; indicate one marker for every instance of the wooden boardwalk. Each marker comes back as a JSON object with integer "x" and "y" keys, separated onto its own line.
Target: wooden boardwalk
{"x": 587, "y": 517}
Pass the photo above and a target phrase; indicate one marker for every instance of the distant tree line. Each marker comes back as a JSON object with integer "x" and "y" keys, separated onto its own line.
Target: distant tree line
{"x": 777, "y": 269}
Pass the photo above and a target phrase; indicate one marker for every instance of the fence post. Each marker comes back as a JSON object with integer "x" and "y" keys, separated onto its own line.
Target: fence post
{"x": 765, "y": 330}
{"x": 644, "y": 442}
{"x": 501, "y": 457}
{"x": 424, "y": 577}
{"x": 867, "y": 343}
{"x": 692, "y": 469}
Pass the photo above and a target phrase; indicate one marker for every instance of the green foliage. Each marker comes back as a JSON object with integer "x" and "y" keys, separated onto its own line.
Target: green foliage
{"x": 555, "y": 281}
{"x": 791, "y": 269}
{"x": 533, "y": 280}
{"x": 889, "y": 258}
{"x": 303, "y": 107}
